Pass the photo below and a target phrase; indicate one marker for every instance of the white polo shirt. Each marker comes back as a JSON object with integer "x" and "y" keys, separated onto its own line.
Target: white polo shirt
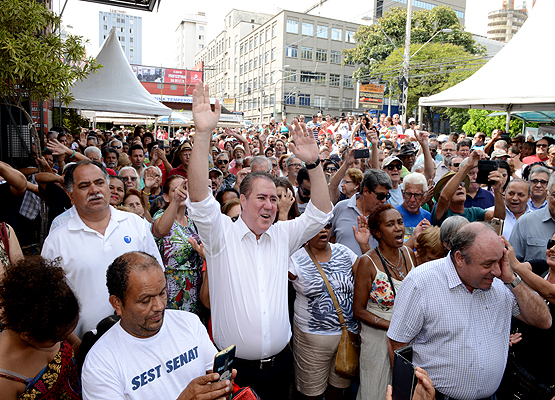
{"x": 248, "y": 277}
{"x": 86, "y": 255}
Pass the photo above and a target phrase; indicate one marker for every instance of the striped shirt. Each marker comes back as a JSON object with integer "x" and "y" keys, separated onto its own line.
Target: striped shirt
{"x": 460, "y": 338}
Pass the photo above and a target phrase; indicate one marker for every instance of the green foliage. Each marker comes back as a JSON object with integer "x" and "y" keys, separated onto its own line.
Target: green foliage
{"x": 70, "y": 119}
{"x": 374, "y": 47}
{"x": 479, "y": 122}
{"x": 457, "y": 118}
{"x": 35, "y": 63}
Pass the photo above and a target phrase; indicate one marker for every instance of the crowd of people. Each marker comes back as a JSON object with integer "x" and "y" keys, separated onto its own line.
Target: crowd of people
{"x": 159, "y": 253}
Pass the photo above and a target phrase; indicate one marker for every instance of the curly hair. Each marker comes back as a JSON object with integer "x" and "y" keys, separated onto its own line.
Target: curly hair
{"x": 429, "y": 242}
{"x": 36, "y": 298}
{"x": 374, "y": 219}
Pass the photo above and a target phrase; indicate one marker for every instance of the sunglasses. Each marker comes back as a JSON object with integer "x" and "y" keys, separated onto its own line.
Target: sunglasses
{"x": 129, "y": 178}
{"x": 220, "y": 162}
{"x": 235, "y": 218}
{"x": 456, "y": 164}
{"x": 391, "y": 167}
{"x": 382, "y": 196}
{"x": 541, "y": 145}
{"x": 333, "y": 169}
{"x": 550, "y": 243}
{"x": 117, "y": 147}
{"x": 328, "y": 225}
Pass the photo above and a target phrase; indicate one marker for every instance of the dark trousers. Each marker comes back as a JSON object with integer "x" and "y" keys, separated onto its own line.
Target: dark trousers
{"x": 271, "y": 383}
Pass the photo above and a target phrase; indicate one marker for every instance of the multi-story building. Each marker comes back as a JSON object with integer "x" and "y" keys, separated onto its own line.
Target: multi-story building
{"x": 504, "y": 24}
{"x": 381, "y": 6}
{"x": 129, "y": 32}
{"x": 191, "y": 38}
{"x": 291, "y": 62}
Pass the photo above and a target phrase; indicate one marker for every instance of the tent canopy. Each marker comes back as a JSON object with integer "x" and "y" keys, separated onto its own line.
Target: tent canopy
{"x": 543, "y": 117}
{"x": 518, "y": 78}
{"x": 115, "y": 87}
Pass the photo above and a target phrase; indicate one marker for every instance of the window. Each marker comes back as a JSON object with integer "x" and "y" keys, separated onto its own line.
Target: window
{"x": 290, "y": 75}
{"x": 201, "y": 37}
{"x": 320, "y": 78}
{"x": 250, "y": 65}
{"x": 240, "y": 87}
{"x": 307, "y": 76}
{"x": 266, "y": 101}
{"x": 336, "y": 34}
{"x": 274, "y": 30}
{"x": 272, "y": 100}
{"x": 241, "y": 50}
{"x": 308, "y": 29}
{"x": 201, "y": 28}
{"x": 273, "y": 77}
{"x": 255, "y": 42}
{"x": 321, "y": 55}
{"x": 322, "y": 32}
{"x": 291, "y": 27}
{"x": 241, "y": 69}
{"x": 250, "y": 45}
{"x": 306, "y": 53}
{"x": 291, "y": 50}
{"x": 335, "y": 80}
{"x": 319, "y": 101}
{"x": 333, "y": 102}
{"x": 267, "y": 34}
{"x": 261, "y": 38}
{"x": 173, "y": 87}
{"x": 266, "y": 79}
{"x": 347, "y": 81}
{"x": 350, "y": 36}
{"x": 335, "y": 57}
{"x": 304, "y": 99}
{"x": 347, "y": 103}
{"x": 273, "y": 54}
{"x": 255, "y": 64}
{"x": 254, "y": 84}
{"x": 130, "y": 40}
{"x": 105, "y": 27}
{"x": 160, "y": 86}
{"x": 290, "y": 98}
{"x": 267, "y": 57}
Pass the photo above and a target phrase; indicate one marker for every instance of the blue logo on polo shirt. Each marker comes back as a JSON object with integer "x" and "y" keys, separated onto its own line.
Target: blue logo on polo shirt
{"x": 127, "y": 239}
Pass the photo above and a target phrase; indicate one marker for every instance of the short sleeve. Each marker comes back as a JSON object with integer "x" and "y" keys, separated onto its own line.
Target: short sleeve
{"x": 408, "y": 312}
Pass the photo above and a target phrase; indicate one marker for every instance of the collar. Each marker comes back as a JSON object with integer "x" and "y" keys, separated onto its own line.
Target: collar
{"x": 453, "y": 278}
{"x": 352, "y": 203}
{"x": 76, "y": 223}
{"x": 546, "y": 216}
{"x": 509, "y": 212}
{"x": 244, "y": 230}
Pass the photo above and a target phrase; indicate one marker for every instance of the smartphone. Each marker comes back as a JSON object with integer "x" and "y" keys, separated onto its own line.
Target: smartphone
{"x": 506, "y": 137}
{"x": 362, "y": 153}
{"x": 484, "y": 168}
{"x": 404, "y": 379}
{"x": 497, "y": 225}
{"x": 223, "y": 362}
{"x": 160, "y": 143}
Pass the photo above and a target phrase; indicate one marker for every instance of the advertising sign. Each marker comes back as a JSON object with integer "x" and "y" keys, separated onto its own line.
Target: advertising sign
{"x": 192, "y": 78}
{"x": 178, "y": 76}
{"x": 148, "y": 74}
{"x": 370, "y": 96}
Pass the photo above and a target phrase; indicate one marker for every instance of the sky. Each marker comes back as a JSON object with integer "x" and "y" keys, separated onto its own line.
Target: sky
{"x": 159, "y": 27}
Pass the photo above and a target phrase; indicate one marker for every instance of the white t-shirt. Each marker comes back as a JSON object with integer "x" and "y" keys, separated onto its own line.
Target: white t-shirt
{"x": 86, "y": 255}
{"x": 121, "y": 366}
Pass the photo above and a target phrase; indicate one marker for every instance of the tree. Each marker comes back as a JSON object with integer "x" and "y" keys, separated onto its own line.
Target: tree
{"x": 35, "y": 63}
{"x": 433, "y": 69}
{"x": 480, "y": 122}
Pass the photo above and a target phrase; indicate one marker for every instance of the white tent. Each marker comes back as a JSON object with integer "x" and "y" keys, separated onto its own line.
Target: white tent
{"x": 115, "y": 87}
{"x": 519, "y": 78}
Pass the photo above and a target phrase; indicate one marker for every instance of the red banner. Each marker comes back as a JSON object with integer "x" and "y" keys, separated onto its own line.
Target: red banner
{"x": 178, "y": 76}
{"x": 192, "y": 78}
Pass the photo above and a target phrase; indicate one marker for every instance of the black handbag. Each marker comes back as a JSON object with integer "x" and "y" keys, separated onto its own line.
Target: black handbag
{"x": 523, "y": 385}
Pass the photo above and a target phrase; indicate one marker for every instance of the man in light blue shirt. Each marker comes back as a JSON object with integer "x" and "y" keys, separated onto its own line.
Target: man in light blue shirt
{"x": 456, "y": 313}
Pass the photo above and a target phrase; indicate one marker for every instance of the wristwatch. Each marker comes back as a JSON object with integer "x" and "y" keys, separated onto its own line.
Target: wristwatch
{"x": 514, "y": 283}
{"x": 314, "y": 164}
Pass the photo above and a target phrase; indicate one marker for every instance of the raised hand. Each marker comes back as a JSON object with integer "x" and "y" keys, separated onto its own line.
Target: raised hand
{"x": 284, "y": 203}
{"x": 361, "y": 231}
{"x": 304, "y": 145}
{"x": 350, "y": 157}
{"x": 198, "y": 247}
{"x": 205, "y": 119}
{"x": 82, "y": 139}
{"x": 180, "y": 193}
{"x": 57, "y": 148}
{"x": 422, "y": 137}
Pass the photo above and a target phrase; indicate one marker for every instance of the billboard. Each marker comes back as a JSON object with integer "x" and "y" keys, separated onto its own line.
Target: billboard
{"x": 168, "y": 75}
{"x": 148, "y": 74}
{"x": 370, "y": 96}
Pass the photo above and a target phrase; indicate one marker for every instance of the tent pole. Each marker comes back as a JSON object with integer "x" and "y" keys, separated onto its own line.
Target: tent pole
{"x": 169, "y": 125}
{"x": 155, "y": 125}
{"x": 420, "y": 116}
{"x": 508, "y": 121}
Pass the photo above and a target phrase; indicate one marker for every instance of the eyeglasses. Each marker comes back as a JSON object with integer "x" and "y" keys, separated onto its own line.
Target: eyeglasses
{"x": 542, "y": 182}
{"x": 382, "y": 196}
{"x": 417, "y": 196}
{"x": 129, "y": 178}
{"x": 541, "y": 145}
{"x": 456, "y": 164}
{"x": 331, "y": 169}
{"x": 220, "y": 162}
{"x": 296, "y": 165}
{"x": 117, "y": 147}
{"x": 235, "y": 218}
{"x": 306, "y": 193}
{"x": 346, "y": 182}
{"x": 391, "y": 167}
{"x": 328, "y": 225}
{"x": 550, "y": 243}
{"x": 274, "y": 165}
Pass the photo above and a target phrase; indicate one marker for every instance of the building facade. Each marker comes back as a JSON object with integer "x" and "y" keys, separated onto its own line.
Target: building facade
{"x": 266, "y": 65}
{"x": 191, "y": 38}
{"x": 128, "y": 30}
{"x": 381, "y": 6}
{"x": 504, "y": 24}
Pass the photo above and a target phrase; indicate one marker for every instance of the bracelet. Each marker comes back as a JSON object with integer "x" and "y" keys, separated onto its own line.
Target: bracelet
{"x": 72, "y": 154}
{"x": 376, "y": 320}
{"x": 313, "y": 165}
{"x": 143, "y": 191}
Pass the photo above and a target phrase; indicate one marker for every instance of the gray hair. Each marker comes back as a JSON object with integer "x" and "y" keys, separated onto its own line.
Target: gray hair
{"x": 69, "y": 177}
{"x": 415, "y": 178}
{"x": 551, "y": 181}
{"x": 450, "y": 226}
{"x": 538, "y": 170}
{"x": 114, "y": 141}
{"x": 464, "y": 238}
{"x": 290, "y": 160}
{"x": 92, "y": 149}
{"x": 93, "y": 138}
{"x": 155, "y": 168}
{"x": 261, "y": 161}
{"x": 129, "y": 168}
{"x": 374, "y": 178}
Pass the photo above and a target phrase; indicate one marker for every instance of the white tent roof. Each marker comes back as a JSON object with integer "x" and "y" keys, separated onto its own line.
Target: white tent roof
{"x": 519, "y": 78}
{"x": 115, "y": 87}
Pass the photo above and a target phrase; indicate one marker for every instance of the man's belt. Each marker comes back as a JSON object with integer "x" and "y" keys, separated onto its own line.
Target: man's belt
{"x": 265, "y": 363}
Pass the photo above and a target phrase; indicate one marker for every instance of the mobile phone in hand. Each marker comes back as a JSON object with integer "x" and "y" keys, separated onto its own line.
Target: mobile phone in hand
{"x": 223, "y": 362}
{"x": 404, "y": 379}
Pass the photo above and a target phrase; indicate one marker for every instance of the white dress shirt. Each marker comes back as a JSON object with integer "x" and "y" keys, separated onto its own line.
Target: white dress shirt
{"x": 248, "y": 277}
{"x": 510, "y": 220}
{"x": 86, "y": 255}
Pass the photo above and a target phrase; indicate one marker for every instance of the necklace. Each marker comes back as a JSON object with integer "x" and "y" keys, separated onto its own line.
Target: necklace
{"x": 397, "y": 267}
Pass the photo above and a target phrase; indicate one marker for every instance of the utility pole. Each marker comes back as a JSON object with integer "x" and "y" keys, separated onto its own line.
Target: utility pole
{"x": 406, "y": 60}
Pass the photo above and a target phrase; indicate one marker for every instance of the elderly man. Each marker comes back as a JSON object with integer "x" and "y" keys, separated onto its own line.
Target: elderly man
{"x": 117, "y": 144}
{"x": 216, "y": 180}
{"x": 222, "y": 163}
{"x": 447, "y": 152}
{"x": 184, "y": 154}
{"x": 151, "y": 353}
{"x": 516, "y": 204}
{"x": 393, "y": 166}
{"x": 293, "y": 165}
{"x": 454, "y": 163}
{"x": 450, "y": 200}
{"x": 541, "y": 152}
{"x": 456, "y": 313}
{"x": 248, "y": 259}
{"x": 538, "y": 182}
{"x": 532, "y": 231}
{"x": 261, "y": 164}
{"x": 416, "y": 219}
{"x": 92, "y": 239}
{"x": 373, "y": 192}
{"x": 111, "y": 157}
